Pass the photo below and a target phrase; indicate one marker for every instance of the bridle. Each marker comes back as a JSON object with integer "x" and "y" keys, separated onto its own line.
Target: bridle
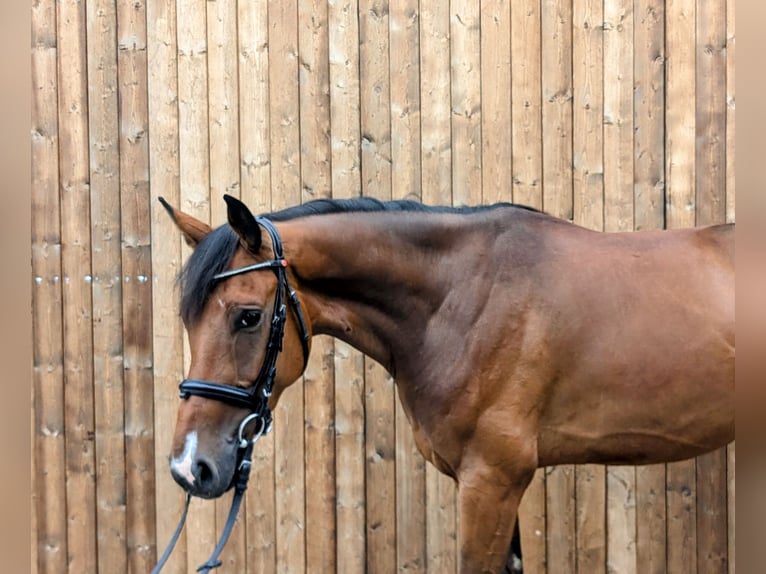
{"x": 256, "y": 398}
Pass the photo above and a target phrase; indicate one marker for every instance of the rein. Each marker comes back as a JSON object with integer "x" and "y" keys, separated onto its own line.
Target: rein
{"x": 255, "y": 399}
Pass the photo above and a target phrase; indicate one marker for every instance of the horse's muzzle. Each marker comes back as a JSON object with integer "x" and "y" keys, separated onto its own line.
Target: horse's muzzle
{"x": 201, "y": 475}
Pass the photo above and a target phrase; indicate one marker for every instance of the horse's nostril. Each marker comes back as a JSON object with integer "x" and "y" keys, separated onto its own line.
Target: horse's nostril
{"x": 204, "y": 472}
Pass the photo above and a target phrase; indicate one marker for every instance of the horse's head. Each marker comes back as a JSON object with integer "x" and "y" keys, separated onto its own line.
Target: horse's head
{"x": 247, "y": 345}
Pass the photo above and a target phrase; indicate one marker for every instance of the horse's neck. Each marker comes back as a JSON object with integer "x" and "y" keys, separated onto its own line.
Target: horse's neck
{"x": 370, "y": 284}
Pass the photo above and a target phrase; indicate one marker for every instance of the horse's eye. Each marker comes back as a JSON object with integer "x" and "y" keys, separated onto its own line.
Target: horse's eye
{"x": 247, "y": 319}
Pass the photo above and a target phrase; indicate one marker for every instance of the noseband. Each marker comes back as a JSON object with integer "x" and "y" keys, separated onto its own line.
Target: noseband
{"x": 256, "y": 398}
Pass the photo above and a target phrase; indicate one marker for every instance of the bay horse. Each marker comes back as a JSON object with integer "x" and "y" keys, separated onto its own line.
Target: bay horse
{"x": 516, "y": 340}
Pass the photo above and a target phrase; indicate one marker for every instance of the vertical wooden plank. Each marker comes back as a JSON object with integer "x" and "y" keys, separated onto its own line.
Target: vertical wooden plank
{"x": 321, "y": 536}
{"x": 730, "y": 123}
{"x": 194, "y": 150}
{"x": 74, "y": 191}
{"x": 621, "y": 518}
{"x": 259, "y": 513}
{"x": 556, "y": 61}
{"x": 681, "y": 517}
{"x": 106, "y": 284}
{"x": 618, "y": 116}
{"x": 137, "y": 288}
{"x": 588, "y": 211}
{"x": 710, "y": 175}
{"x": 527, "y": 177}
{"x": 649, "y": 103}
{"x": 649, "y": 191}
{"x": 730, "y": 217}
{"x": 556, "y": 23}
{"x": 223, "y": 93}
{"x": 590, "y": 527}
{"x": 49, "y": 478}
{"x": 374, "y": 84}
{"x": 533, "y": 520}
{"x": 162, "y": 89}
{"x": 345, "y": 141}
{"x": 619, "y": 216}
{"x": 436, "y": 151}
{"x": 651, "y": 543}
{"x": 712, "y": 529}
{"x": 587, "y": 114}
{"x": 404, "y": 42}
{"x": 495, "y": 100}
{"x": 731, "y": 505}
{"x": 34, "y": 501}
{"x": 404, "y": 27}
{"x": 680, "y": 112}
{"x": 349, "y": 445}
{"x": 560, "y": 519}
{"x": 254, "y": 113}
{"x": 436, "y": 189}
{"x": 710, "y": 180}
{"x": 223, "y": 118}
{"x": 285, "y": 191}
{"x": 526, "y": 104}
{"x": 465, "y": 73}
{"x": 680, "y": 202}
{"x": 318, "y": 386}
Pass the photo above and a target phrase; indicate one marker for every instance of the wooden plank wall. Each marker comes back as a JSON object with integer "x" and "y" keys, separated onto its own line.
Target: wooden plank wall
{"x": 617, "y": 115}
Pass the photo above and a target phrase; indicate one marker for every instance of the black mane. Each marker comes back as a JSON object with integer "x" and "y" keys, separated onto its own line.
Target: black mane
{"x": 215, "y": 251}
{"x": 370, "y": 204}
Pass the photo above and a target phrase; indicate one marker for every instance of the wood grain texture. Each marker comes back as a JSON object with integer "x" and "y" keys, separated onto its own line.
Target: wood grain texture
{"x": 588, "y": 211}
{"x": 527, "y": 181}
{"x": 223, "y": 130}
{"x": 526, "y": 102}
{"x": 284, "y": 95}
{"x": 137, "y": 289}
{"x": 167, "y": 340}
{"x": 556, "y": 62}
{"x": 345, "y": 139}
{"x": 649, "y": 192}
{"x": 465, "y": 82}
{"x": 730, "y": 115}
{"x": 436, "y": 189}
{"x": 107, "y": 286}
{"x": 588, "y": 113}
{"x": 319, "y": 390}
{"x": 404, "y": 71}
{"x": 495, "y": 59}
{"x": 255, "y": 190}
{"x": 680, "y": 212}
{"x": 48, "y": 440}
{"x": 194, "y": 155}
{"x": 74, "y": 195}
{"x": 558, "y": 199}
{"x": 617, "y": 115}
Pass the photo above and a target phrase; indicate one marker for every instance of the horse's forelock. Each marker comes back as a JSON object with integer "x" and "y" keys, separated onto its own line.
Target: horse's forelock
{"x": 210, "y": 257}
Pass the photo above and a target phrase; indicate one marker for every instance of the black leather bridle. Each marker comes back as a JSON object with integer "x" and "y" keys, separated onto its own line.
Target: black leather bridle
{"x": 256, "y": 398}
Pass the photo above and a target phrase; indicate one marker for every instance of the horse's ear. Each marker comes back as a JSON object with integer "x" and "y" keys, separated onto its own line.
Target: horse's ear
{"x": 192, "y": 229}
{"x": 243, "y": 223}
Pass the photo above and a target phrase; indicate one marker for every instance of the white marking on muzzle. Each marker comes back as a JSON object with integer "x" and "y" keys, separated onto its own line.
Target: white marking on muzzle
{"x": 183, "y": 464}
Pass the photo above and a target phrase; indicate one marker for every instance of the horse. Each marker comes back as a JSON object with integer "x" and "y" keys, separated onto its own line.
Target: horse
{"x": 516, "y": 340}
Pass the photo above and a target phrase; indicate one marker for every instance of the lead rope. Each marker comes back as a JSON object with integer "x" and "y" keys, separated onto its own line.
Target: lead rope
{"x": 240, "y": 486}
{"x": 174, "y": 538}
